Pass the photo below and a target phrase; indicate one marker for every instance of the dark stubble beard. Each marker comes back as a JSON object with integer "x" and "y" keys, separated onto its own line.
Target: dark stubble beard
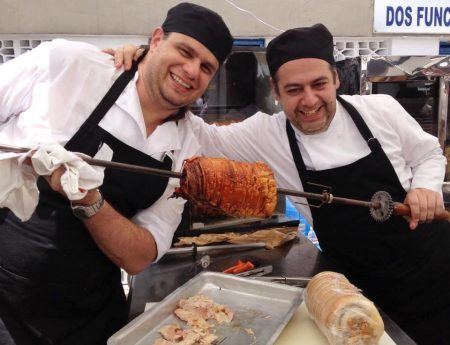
{"x": 157, "y": 91}
{"x": 150, "y": 84}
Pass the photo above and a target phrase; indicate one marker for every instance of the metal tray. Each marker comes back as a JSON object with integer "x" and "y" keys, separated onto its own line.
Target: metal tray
{"x": 263, "y": 307}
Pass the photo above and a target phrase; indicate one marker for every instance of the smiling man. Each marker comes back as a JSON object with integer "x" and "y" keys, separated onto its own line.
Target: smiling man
{"x": 355, "y": 145}
{"x": 307, "y": 93}
{"x": 60, "y": 280}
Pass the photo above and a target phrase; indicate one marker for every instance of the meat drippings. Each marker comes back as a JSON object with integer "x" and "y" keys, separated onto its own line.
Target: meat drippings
{"x": 197, "y": 311}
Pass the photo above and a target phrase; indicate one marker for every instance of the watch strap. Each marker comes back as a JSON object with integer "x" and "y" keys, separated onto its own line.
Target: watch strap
{"x": 87, "y": 211}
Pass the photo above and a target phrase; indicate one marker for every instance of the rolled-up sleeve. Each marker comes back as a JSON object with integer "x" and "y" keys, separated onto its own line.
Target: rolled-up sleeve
{"x": 162, "y": 219}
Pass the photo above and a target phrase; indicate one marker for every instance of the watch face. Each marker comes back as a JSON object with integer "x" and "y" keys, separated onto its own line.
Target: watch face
{"x": 82, "y": 212}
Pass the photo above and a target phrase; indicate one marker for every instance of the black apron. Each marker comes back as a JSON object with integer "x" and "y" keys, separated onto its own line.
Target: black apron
{"x": 56, "y": 286}
{"x": 407, "y": 273}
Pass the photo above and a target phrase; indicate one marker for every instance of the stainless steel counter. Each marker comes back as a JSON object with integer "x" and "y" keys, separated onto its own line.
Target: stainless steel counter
{"x": 298, "y": 259}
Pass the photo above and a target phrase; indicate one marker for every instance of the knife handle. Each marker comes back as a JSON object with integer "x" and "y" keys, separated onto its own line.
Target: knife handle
{"x": 404, "y": 210}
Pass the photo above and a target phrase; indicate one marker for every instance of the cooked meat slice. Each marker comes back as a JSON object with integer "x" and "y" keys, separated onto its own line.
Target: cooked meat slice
{"x": 202, "y": 239}
{"x": 237, "y": 188}
{"x": 192, "y": 318}
{"x": 190, "y": 337}
{"x": 201, "y": 304}
{"x": 223, "y": 314}
{"x": 204, "y": 307}
{"x": 196, "y": 311}
{"x": 172, "y": 332}
{"x": 272, "y": 237}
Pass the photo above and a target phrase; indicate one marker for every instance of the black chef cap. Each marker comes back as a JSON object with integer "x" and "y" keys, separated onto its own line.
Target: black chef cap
{"x": 202, "y": 24}
{"x": 299, "y": 43}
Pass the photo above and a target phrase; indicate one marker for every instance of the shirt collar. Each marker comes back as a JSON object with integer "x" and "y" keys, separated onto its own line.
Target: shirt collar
{"x": 157, "y": 142}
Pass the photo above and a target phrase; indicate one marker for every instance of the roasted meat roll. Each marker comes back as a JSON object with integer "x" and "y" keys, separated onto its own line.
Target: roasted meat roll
{"x": 341, "y": 312}
{"x": 238, "y": 189}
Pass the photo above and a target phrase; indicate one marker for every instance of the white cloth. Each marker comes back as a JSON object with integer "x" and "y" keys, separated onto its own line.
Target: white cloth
{"x": 78, "y": 178}
{"x": 41, "y": 104}
{"x": 20, "y": 193}
{"x": 415, "y": 155}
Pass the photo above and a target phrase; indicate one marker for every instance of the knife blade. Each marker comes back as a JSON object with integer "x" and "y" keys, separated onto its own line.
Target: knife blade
{"x": 256, "y": 272}
{"x": 203, "y": 249}
{"x": 293, "y": 281}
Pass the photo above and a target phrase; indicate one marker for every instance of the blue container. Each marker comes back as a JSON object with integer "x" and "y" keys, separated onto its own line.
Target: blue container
{"x": 303, "y": 227}
{"x": 291, "y": 212}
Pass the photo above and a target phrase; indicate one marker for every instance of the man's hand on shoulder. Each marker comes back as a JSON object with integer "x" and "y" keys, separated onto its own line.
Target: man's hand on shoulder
{"x": 124, "y": 56}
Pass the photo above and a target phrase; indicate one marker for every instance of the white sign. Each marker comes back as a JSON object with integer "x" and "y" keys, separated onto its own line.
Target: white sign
{"x": 412, "y": 16}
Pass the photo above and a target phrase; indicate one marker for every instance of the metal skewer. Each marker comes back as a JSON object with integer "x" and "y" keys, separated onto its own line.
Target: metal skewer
{"x": 380, "y": 201}
{"x": 328, "y": 198}
{"x": 107, "y": 164}
{"x": 324, "y": 197}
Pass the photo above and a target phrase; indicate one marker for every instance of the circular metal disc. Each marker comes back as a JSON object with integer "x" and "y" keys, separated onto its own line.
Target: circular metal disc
{"x": 384, "y": 212}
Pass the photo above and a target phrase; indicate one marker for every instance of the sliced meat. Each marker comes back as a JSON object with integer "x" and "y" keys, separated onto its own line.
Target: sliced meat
{"x": 172, "y": 333}
{"x": 195, "y": 311}
{"x": 192, "y": 318}
{"x": 223, "y": 314}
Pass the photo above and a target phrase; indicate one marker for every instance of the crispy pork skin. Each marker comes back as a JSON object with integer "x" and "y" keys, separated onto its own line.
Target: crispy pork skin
{"x": 238, "y": 189}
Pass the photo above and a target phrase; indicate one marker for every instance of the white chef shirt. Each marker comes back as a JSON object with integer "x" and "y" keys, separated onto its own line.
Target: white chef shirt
{"x": 415, "y": 155}
{"x": 48, "y": 92}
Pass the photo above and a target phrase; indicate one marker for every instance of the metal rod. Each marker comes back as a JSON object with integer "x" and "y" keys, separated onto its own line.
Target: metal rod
{"x": 107, "y": 164}
{"x": 356, "y": 202}
{"x": 328, "y": 198}
{"x": 324, "y": 197}
{"x": 132, "y": 168}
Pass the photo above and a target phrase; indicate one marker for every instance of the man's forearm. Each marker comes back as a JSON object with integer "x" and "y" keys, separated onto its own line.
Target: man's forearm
{"x": 128, "y": 245}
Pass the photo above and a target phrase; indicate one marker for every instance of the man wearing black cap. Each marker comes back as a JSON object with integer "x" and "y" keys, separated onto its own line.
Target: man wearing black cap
{"x": 60, "y": 280}
{"x": 355, "y": 145}
{"x": 359, "y": 145}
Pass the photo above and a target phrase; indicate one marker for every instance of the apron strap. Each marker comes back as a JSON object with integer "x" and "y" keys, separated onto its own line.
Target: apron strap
{"x": 298, "y": 160}
{"x": 373, "y": 143}
{"x": 108, "y": 100}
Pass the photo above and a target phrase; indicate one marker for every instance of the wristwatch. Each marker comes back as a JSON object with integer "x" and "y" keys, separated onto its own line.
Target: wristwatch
{"x": 87, "y": 211}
